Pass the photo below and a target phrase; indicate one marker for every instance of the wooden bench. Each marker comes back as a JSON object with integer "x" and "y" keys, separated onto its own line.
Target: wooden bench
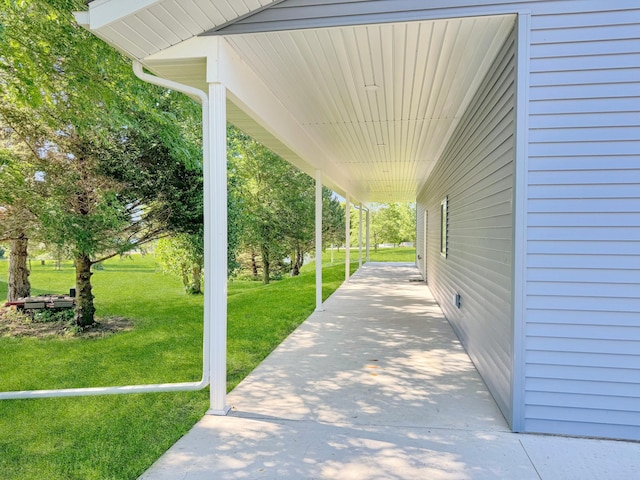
{"x": 42, "y": 302}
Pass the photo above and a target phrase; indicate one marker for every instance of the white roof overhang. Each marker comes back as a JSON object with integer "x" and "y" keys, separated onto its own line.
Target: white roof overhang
{"x": 372, "y": 106}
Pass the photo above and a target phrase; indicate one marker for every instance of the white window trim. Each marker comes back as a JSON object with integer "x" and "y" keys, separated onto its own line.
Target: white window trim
{"x": 444, "y": 227}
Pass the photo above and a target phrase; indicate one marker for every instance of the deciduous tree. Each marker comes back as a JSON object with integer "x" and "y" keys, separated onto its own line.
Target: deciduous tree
{"x": 333, "y": 221}
{"x": 183, "y": 255}
{"x": 17, "y": 222}
{"x": 393, "y": 223}
{"x": 114, "y": 157}
{"x": 276, "y": 207}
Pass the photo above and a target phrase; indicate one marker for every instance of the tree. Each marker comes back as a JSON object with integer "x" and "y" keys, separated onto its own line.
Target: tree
{"x": 408, "y": 222}
{"x": 113, "y": 157}
{"x": 234, "y": 222}
{"x": 298, "y": 211}
{"x": 17, "y": 223}
{"x": 276, "y": 207}
{"x": 260, "y": 176}
{"x": 389, "y": 220}
{"x": 183, "y": 255}
{"x": 393, "y": 223}
{"x": 333, "y": 220}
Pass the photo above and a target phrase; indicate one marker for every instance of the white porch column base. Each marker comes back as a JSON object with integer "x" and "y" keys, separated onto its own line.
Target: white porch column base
{"x": 319, "y": 241}
{"x": 215, "y": 207}
{"x": 219, "y": 413}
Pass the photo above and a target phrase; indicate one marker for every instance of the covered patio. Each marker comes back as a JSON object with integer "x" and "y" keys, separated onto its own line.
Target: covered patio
{"x": 486, "y": 115}
{"x": 366, "y": 110}
{"x": 377, "y": 386}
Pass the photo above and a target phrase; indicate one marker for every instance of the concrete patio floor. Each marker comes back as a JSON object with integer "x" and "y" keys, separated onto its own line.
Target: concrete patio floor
{"x": 377, "y": 386}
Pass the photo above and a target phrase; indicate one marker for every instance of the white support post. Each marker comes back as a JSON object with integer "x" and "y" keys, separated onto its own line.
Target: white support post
{"x": 367, "y": 235}
{"x": 318, "y": 240}
{"x": 360, "y": 237}
{"x": 347, "y": 239}
{"x": 215, "y": 241}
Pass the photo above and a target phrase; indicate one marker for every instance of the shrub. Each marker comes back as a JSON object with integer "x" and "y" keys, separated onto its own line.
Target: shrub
{"x": 44, "y": 316}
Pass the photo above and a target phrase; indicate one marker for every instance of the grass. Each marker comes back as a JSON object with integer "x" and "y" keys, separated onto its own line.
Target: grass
{"x": 118, "y": 437}
{"x": 399, "y": 254}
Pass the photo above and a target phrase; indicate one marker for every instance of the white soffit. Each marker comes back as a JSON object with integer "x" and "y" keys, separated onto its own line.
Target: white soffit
{"x": 144, "y": 27}
{"x": 380, "y": 100}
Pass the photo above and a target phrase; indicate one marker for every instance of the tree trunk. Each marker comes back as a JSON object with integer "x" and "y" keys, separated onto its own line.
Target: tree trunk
{"x": 85, "y": 309}
{"x": 266, "y": 271}
{"x": 254, "y": 264}
{"x": 196, "y": 283}
{"x": 297, "y": 264}
{"x": 19, "y": 285}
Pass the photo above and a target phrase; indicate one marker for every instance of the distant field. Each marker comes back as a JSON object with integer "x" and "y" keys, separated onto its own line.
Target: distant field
{"x": 399, "y": 254}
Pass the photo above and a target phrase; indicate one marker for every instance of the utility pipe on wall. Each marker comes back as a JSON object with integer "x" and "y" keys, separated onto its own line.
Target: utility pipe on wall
{"x": 161, "y": 387}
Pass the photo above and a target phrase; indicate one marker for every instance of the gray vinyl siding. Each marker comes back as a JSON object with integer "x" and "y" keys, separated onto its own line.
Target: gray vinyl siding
{"x": 475, "y": 174}
{"x": 581, "y": 327}
{"x": 299, "y": 14}
{"x": 582, "y": 373}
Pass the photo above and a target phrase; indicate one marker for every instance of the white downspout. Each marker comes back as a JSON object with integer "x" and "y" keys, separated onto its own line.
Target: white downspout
{"x": 149, "y": 388}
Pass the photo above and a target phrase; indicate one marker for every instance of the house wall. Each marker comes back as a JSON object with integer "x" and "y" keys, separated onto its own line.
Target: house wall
{"x": 580, "y": 367}
{"x": 582, "y": 370}
{"x": 475, "y": 175}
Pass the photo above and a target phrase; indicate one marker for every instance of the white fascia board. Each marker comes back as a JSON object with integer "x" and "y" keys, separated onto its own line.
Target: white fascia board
{"x": 195, "y": 47}
{"x": 82, "y": 18}
{"x": 105, "y": 12}
{"x": 248, "y": 91}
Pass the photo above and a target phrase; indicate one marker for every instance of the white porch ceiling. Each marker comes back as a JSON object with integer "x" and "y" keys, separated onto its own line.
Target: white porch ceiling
{"x": 379, "y": 102}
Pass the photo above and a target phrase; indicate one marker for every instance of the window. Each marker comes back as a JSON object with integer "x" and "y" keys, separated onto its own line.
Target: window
{"x": 443, "y": 227}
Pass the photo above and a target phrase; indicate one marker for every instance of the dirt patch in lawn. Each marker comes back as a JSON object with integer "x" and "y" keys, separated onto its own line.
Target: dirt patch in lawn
{"x": 16, "y": 324}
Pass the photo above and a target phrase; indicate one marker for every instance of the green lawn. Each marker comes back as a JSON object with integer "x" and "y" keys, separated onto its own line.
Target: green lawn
{"x": 118, "y": 437}
{"x": 399, "y": 254}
